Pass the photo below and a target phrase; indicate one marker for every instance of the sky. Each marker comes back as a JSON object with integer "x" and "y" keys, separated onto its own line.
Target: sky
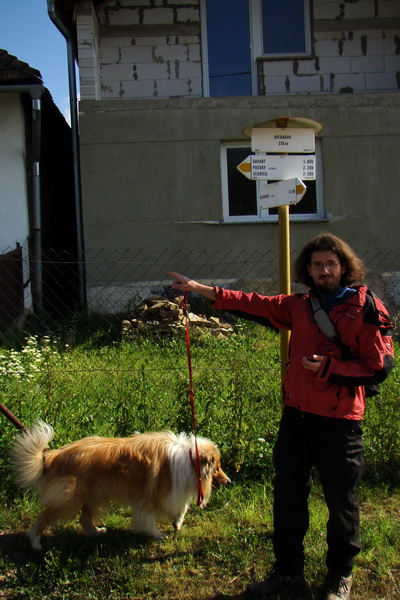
{"x": 27, "y": 32}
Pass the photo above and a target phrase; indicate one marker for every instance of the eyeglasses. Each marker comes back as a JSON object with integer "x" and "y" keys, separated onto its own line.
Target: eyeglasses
{"x": 331, "y": 265}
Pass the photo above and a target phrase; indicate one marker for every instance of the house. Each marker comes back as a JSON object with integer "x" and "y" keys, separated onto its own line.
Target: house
{"x": 37, "y": 212}
{"x": 167, "y": 90}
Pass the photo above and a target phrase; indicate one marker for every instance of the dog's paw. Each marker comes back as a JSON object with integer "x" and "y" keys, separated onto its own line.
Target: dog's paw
{"x": 153, "y": 533}
{"x": 100, "y": 530}
{"x": 97, "y": 531}
{"x": 93, "y": 530}
{"x": 157, "y": 535}
{"x": 34, "y": 540}
{"x": 36, "y": 546}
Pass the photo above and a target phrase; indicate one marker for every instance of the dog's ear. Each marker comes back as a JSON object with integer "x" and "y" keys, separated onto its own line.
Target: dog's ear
{"x": 207, "y": 459}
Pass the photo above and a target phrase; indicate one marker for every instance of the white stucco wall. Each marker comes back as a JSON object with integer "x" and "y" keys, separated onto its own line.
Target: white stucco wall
{"x": 13, "y": 193}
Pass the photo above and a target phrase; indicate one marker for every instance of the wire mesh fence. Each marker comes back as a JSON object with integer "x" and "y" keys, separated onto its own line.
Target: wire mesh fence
{"x": 118, "y": 281}
{"x": 115, "y": 282}
{"x": 53, "y": 347}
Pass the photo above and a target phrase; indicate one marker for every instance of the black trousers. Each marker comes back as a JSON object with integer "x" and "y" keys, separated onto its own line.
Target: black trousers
{"x": 335, "y": 447}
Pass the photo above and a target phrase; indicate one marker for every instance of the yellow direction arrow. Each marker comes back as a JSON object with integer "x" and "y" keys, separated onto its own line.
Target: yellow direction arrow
{"x": 245, "y": 167}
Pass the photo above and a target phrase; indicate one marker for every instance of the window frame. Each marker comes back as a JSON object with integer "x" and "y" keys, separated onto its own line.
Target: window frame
{"x": 319, "y": 215}
{"x": 256, "y": 42}
{"x": 256, "y": 32}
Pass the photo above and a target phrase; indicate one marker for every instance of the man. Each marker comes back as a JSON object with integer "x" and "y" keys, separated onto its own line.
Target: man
{"x": 324, "y": 403}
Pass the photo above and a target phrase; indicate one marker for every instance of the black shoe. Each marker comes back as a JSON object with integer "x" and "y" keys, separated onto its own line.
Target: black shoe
{"x": 276, "y": 583}
{"x": 337, "y": 587}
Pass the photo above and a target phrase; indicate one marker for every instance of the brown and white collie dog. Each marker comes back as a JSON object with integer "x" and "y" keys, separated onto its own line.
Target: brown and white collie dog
{"x": 155, "y": 473}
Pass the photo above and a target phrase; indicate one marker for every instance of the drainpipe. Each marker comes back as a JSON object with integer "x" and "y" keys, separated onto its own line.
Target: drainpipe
{"x": 55, "y": 18}
{"x": 37, "y": 287}
{"x": 36, "y": 92}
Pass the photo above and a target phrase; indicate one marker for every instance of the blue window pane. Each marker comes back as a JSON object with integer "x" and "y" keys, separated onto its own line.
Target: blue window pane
{"x": 228, "y": 40}
{"x": 283, "y": 26}
{"x": 230, "y": 85}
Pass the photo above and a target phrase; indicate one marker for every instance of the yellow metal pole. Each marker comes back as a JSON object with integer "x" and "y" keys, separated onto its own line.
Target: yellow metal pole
{"x": 284, "y": 267}
{"x": 284, "y": 277}
{"x": 283, "y": 226}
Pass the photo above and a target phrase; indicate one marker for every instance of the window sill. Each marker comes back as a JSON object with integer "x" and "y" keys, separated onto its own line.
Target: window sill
{"x": 271, "y": 57}
{"x": 274, "y": 219}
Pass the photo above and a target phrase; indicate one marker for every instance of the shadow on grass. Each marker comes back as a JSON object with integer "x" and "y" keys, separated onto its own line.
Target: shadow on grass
{"x": 16, "y": 546}
{"x": 242, "y": 596}
{"x": 67, "y": 543}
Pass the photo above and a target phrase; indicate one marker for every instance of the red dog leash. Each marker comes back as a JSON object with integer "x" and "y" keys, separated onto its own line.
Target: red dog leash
{"x": 200, "y": 495}
{"x": 12, "y": 417}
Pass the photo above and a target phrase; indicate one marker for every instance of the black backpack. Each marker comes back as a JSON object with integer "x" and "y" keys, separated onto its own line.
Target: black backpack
{"x": 374, "y": 313}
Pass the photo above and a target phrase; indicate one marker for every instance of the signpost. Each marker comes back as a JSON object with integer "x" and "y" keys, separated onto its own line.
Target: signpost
{"x": 278, "y": 166}
{"x": 282, "y": 136}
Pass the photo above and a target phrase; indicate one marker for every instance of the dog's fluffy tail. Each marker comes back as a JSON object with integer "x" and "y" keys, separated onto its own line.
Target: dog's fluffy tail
{"x": 27, "y": 454}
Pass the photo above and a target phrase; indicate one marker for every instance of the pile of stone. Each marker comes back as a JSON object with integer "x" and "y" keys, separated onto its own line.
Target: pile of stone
{"x": 157, "y": 315}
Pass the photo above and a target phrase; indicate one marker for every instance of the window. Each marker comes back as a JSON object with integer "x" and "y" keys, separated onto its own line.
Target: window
{"x": 237, "y": 32}
{"x": 284, "y": 27}
{"x": 240, "y": 195}
{"x": 228, "y": 42}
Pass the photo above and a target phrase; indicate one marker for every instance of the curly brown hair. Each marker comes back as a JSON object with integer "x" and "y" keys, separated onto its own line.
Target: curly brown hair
{"x": 355, "y": 268}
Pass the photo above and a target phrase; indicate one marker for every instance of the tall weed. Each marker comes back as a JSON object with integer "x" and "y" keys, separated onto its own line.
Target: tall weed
{"x": 143, "y": 385}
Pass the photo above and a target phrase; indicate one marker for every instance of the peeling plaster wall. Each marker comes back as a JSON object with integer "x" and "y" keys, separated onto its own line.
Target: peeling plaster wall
{"x": 147, "y": 49}
{"x": 356, "y": 48}
{"x": 151, "y": 49}
{"x": 88, "y": 45}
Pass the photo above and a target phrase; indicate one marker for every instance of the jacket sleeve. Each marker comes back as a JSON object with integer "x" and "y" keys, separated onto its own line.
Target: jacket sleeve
{"x": 271, "y": 311}
{"x": 372, "y": 362}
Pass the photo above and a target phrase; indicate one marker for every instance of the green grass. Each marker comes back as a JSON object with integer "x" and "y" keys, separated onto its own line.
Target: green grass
{"x": 218, "y": 551}
{"x": 114, "y": 388}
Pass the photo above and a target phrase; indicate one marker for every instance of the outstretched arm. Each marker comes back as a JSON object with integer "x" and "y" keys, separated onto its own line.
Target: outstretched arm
{"x": 184, "y": 284}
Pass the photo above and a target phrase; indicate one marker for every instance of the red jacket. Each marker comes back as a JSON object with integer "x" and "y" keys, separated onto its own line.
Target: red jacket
{"x": 337, "y": 390}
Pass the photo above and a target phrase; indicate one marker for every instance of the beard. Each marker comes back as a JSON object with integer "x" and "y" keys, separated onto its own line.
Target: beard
{"x": 328, "y": 286}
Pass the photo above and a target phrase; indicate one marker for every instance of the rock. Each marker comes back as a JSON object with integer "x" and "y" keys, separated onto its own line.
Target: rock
{"x": 157, "y": 315}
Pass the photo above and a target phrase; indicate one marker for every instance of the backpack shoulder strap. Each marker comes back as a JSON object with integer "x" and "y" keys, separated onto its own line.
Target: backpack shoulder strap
{"x": 323, "y": 321}
{"x": 370, "y": 310}
{"x": 375, "y": 313}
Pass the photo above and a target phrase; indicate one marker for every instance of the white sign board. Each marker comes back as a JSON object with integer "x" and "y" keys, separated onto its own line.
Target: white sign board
{"x": 278, "y": 166}
{"x": 290, "y": 191}
{"x": 285, "y": 139}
